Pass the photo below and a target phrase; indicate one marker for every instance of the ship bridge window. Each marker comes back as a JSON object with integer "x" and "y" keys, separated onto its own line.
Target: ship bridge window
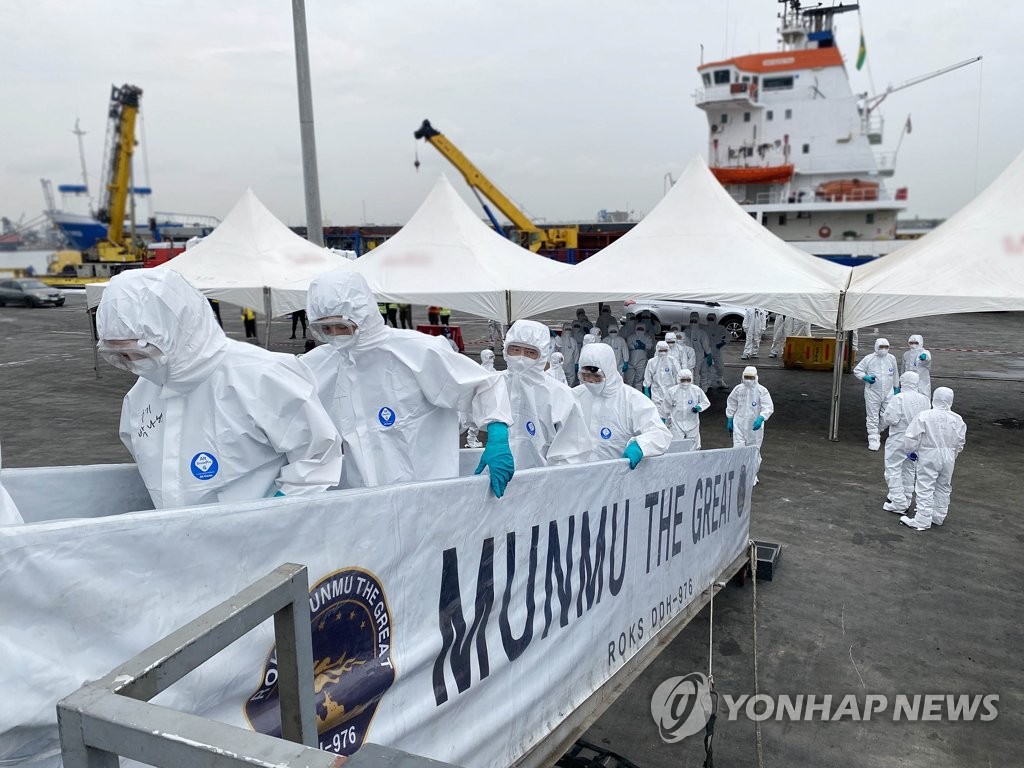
{"x": 807, "y": 149}
{"x": 723, "y": 76}
{"x": 746, "y": 117}
{"x": 789, "y": 114}
{"x": 724, "y": 119}
{"x": 777, "y": 83}
{"x": 870, "y": 218}
{"x": 707, "y": 79}
{"x": 769, "y": 115}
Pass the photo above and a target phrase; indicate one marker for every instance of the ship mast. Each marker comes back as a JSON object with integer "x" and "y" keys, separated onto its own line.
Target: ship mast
{"x": 799, "y": 26}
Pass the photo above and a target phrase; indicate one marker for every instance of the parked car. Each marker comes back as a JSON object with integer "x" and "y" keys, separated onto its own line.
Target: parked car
{"x": 30, "y": 292}
{"x": 669, "y": 311}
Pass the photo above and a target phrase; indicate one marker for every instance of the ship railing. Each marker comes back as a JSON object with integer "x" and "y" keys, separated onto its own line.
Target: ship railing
{"x": 810, "y": 195}
{"x": 187, "y": 219}
{"x": 113, "y": 716}
{"x": 727, "y": 92}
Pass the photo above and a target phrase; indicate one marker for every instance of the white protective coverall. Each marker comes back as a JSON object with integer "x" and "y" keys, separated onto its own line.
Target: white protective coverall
{"x": 605, "y": 321}
{"x": 555, "y": 370}
{"x": 748, "y": 401}
{"x": 900, "y": 472}
{"x": 937, "y": 436}
{"x": 641, "y": 347}
{"x": 714, "y": 373}
{"x": 878, "y": 372}
{"x": 9, "y": 514}
{"x": 619, "y": 347}
{"x": 487, "y": 359}
{"x": 548, "y": 424}
{"x": 616, "y": 414}
{"x": 395, "y": 395}
{"x": 696, "y": 338}
{"x": 754, "y": 322}
{"x": 923, "y": 368}
{"x": 465, "y": 419}
{"x": 570, "y": 352}
{"x": 682, "y": 399}
{"x": 215, "y": 420}
{"x": 683, "y": 353}
{"x": 785, "y": 327}
{"x": 661, "y": 374}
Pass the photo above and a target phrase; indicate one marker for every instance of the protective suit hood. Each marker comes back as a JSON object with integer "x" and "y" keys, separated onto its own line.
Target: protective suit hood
{"x": 669, "y": 337}
{"x": 916, "y": 337}
{"x": 161, "y": 307}
{"x": 909, "y": 381}
{"x": 557, "y": 358}
{"x": 661, "y": 346}
{"x": 603, "y": 356}
{"x": 942, "y": 399}
{"x": 751, "y": 371}
{"x": 879, "y": 343}
{"x": 343, "y": 293}
{"x": 528, "y": 333}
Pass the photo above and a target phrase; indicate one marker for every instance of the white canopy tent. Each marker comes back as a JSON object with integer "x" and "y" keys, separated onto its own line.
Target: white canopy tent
{"x": 698, "y": 243}
{"x": 974, "y": 262}
{"x": 445, "y": 255}
{"x": 253, "y": 260}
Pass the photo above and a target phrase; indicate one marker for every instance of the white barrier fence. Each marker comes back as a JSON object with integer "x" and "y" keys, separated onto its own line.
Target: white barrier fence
{"x": 445, "y": 622}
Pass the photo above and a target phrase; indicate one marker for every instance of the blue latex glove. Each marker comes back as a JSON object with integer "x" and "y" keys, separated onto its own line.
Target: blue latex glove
{"x": 696, "y": 409}
{"x": 728, "y": 424}
{"x": 634, "y": 453}
{"x": 279, "y": 493}
{"x": 922, "y": 356}
{"x": 912, "y": 456}
{"x": 641, "y": 345}
{"x": 869, "y": 379}
{"x": 497, "y": 458}
{"x": 709, "y": 358}
{"x": 895, "y": 390}
{"x": 719, "y": 345}
{"x": 647, "y": 391}
{"x": 757, "y": 423}
{"x": 624, "y": 367}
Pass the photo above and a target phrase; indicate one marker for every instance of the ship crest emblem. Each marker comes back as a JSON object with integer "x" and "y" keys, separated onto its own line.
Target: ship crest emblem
{"x": 352, "y": 666}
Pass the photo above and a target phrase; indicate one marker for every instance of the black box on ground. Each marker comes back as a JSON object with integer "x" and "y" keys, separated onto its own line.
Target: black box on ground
{"x": 768, "y": 555}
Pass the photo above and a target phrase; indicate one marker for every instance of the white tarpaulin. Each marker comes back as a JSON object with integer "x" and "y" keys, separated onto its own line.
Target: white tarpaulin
{"x": 974, "y": 262}
{"x": 698, "y": 243}
{"x": 251, "y": 250}
{"x": 445, "y": 622}
{"x": 445, "y": 255}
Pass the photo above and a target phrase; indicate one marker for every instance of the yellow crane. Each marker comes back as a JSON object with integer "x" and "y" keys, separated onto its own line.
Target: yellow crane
{"x": 119, "y": 246}
{"x": 529, "y": 234}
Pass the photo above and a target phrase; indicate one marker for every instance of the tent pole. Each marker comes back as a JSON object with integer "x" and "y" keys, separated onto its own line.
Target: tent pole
{"x": 508, "y": 308}
{"x": 837, "y": 371}
{"x": 266, "y": 309}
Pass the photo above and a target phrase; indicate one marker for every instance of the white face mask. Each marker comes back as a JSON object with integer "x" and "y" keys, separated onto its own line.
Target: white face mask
{"x": 662, "y": 352}
{"x": 155, "y": 370}
{"x": 344, "y": 342}
{"x": 750, "y": 382}
{"x": 520, "y": 363}
{"x": 595, "y": 388}
{"x": 882, "y": 351}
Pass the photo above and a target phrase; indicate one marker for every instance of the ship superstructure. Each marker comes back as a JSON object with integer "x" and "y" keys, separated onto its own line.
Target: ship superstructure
{"x": 796, "y": 147}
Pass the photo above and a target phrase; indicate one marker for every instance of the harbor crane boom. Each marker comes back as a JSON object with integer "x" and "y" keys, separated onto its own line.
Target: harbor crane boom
{"x": 530, "y": 235}
{"x": 872, "y": 102}
{"x": 117, "y": 175}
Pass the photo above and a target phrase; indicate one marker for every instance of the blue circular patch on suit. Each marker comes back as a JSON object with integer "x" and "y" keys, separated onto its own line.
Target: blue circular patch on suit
{"x": 606, "y": 434}
{"x": 754, "y": 404}
{"x": 531, "y": 428}
{"x": 890, "y": 370}
{"x": 204, "y": 465}
{"x": 386, "y": 417}
{"x": 689, "y": 402}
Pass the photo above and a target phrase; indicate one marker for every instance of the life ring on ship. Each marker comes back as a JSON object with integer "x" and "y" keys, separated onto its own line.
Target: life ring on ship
{"x": 824, "y": 232}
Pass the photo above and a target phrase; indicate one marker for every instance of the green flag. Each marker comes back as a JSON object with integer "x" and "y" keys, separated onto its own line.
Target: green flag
{"x": 862, "y": 51}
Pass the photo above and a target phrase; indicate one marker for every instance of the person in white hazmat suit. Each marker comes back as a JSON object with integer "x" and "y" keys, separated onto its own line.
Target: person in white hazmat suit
{"x": 786, "y": 326}
{"x": 210, "y": 419}
{"x": 681, "y": 352}
{"x": 754, "y": 321}
{"x": 588, "y": 338}
{"x": 714, "y": 372}
{"x": 9, "y": 514}
{"x": 619, "y": 347}
{"x": 395, "y": 395}
{"x": 548, "y": 426}
{"x": 696, "y": 339}
{"x": 878, "y": 372}
{"x": 900, "y": 472}
{"x": 487, "y": 360}
{"x": 749, "y": 406}
{"x": 933, "y": 440}
{"x": 661, "y": 374}
{"x": 555, "y": 369}
{"x": 639, "y": 343}
{"x": 621, "y": 421}
{"x": 596, "y": 333}
{"x": 605, "y": 321}
{"x": 570, "y": 352}
{"x": 919, "y": 360}
{"x": 686, "y": 401}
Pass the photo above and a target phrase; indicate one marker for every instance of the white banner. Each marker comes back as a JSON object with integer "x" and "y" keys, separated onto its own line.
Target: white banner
{"x": 445, "y": 622}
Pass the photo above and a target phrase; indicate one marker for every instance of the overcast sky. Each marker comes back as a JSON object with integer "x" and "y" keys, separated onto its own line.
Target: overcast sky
{"x": 569, "y": 106}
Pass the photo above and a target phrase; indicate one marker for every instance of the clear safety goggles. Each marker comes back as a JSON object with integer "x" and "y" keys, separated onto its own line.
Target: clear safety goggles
{"x": 327, "y": 328}
{"x": 591, "y": 374}
{"x": 686, "y": 381}
{"x": 522, "y": 350}
{"x": 751, "y": 379}
{"x": 129, "y": 354}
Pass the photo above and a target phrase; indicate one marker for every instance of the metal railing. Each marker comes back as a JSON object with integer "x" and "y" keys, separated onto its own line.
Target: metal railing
{"x": 112, "y": 716}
